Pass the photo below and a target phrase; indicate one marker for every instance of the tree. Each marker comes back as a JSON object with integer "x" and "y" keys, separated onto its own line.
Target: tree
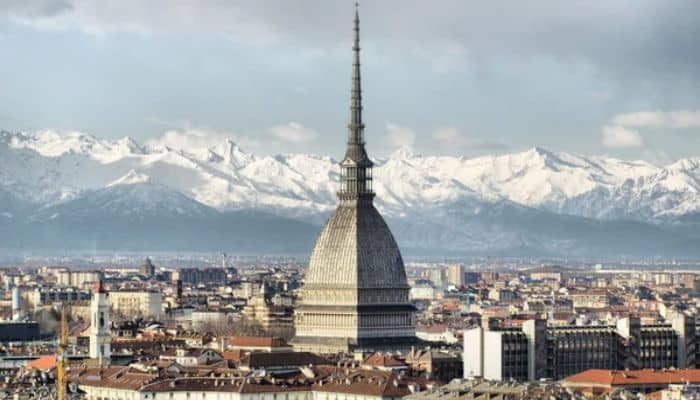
{"x": 242, "y": 326}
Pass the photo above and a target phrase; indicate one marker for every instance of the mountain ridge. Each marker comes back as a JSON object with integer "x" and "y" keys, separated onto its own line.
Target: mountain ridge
{"x": 455, "y": 198}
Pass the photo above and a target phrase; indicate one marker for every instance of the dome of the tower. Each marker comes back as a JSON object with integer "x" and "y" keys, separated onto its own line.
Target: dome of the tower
{"x": 356, "y": 250}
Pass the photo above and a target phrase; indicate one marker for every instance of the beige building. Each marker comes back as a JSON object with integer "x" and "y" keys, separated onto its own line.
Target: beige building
{"x": 132, "y": 303}
{"x": 79, "y": 279}
{"x": 41, "y": 296}
{"x": 592, "y": 298}
{"x": 118, "y": 382}
{"x": 277, "y": 320}
{"x": 455, "y": 274}
{"x": 546, "y": 274}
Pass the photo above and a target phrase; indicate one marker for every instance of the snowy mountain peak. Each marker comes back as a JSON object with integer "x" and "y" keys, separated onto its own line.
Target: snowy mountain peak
{"x": 538, "y": 152}
{"x": 129, "y": 145}
{"x": 510, "y": 200}
{"x": 402, "y": 153}
{"x": 232, "y": 154}
{"x": 131, "y": 178}
{"x": 49, "y": 167}
{"x": 50, "y": 143}
{"x": 686, "y": 164}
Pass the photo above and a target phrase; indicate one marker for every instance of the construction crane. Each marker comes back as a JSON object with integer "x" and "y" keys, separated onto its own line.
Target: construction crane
{"x": 61, "y": 356}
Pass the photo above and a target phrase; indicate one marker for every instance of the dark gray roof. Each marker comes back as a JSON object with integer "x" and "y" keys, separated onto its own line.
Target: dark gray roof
{"x": 356, "y": 250}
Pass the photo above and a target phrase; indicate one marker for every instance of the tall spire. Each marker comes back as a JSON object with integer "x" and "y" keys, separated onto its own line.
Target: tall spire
{"x": 356, "y": 126}
{"x": 356, "y": 167}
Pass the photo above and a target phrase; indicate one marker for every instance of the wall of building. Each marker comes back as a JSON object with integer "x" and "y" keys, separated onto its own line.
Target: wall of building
{"x": 79, "y": 279}
{"x": 96, "y": 392}
{"x": 473, "y": 352}
{"x": 539, "y": 351}
{"x": 493, "y": 355}
{"x": 130, "y": 303}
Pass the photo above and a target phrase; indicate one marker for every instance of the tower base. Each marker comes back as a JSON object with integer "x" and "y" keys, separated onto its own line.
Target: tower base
{"x": 325, "y": 345}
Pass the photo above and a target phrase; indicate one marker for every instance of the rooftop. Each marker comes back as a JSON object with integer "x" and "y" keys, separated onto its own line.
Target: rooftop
{"x": 610, "y": 378}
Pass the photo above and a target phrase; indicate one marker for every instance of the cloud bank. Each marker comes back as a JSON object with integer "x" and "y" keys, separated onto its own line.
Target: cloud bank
{"x": 399, "y": 136}
{"x": 679, "y": 119}
{"x": 615, "y": 137}
{"x": 655, "y": 37}
{"x": 293, "y": 132}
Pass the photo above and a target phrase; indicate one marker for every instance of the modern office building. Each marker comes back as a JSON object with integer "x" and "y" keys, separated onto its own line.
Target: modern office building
{"x": 537, "y": 351}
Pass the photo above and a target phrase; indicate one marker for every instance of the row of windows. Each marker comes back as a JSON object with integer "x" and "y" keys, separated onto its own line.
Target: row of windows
{"x": 118, "y": 395}
{"x": 567, "y": 344}
{"x": 383, "y": 320}
{"x": 356, "y": 180}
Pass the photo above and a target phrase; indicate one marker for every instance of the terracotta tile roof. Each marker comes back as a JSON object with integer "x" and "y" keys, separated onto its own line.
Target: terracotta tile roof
{"x": 610, "y": 378}
{"x": 43, "y": 363}
{"x": 193, "y": 384}
{"x": 451, "y": 306}
{"x": 381, "y": 360}
{"x": 364, "y": 382}
{"x": 262, "y": 360}
{"x": 322, "y": 379}
{"x": 115, "y": 377}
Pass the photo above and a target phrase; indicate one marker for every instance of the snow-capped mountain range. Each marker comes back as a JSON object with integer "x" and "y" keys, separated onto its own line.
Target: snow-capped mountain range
{"x": 420, "y": 195}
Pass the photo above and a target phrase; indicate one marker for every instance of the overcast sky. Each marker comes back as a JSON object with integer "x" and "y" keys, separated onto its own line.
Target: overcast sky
{"x": 616, "y": 77}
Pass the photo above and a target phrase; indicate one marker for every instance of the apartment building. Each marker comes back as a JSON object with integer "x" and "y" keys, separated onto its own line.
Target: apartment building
{"x": 536, "y": 351}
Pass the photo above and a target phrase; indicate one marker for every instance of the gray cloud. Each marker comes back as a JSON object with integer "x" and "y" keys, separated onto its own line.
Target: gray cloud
{"x": 543, "y": 71}
{"x": 33, "y": 9}
{"x": 647, "y": 38}
{"x": 449, "y": 137}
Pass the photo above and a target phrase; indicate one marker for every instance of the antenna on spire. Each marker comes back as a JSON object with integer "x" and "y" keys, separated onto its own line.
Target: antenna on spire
{"x": 356, "y": 125}
{"x": 356, "y": 167}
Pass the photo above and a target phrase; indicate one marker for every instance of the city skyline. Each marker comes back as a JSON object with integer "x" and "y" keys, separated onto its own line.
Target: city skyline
{"x": 258, "y": 236}
{"x": 209, "y": 69}
{"x": 618, "y": 78}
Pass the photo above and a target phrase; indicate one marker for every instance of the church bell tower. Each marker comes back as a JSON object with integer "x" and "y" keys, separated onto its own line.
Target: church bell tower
{"x": 100, "y": 336}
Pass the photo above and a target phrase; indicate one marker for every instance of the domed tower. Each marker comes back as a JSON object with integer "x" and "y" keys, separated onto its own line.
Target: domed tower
{"x": 355, "y": 295}
{"x": 148, "y": 269}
